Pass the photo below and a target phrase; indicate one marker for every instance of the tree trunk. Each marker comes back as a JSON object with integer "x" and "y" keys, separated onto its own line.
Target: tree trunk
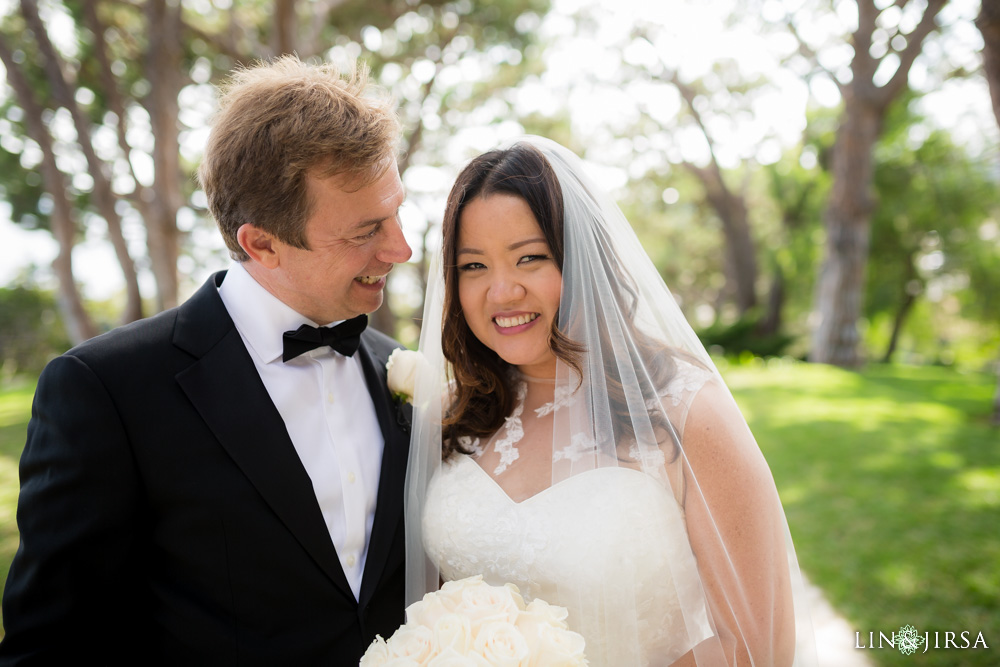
{"x": 103, "y": 196}
{"x": 897, "y": 325}
{"x": 79, "y": 325}
{"x": 840, "y": 287}
{"x": 740, "y": 254}
{"x": 770, "y": 324}
{"x": 163, "y": 67}
{"x": 741, "y": 257}
{"x": 988, "y": 23}
{"x": 848, "y": 219}
{"x": 283, "y": 38}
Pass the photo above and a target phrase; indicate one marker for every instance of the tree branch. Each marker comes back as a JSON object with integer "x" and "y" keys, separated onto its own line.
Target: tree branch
{"x": 323, "y": 11}
{"x": 914, "y": 44}
{"x": 111, "y": 91}
{"x": 104, "y": 197}
{"x": 808, "y": 52}
{"x": 78, "y": 323}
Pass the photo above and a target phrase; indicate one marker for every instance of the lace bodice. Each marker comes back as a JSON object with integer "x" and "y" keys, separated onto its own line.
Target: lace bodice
{"x": 609, "y": 527}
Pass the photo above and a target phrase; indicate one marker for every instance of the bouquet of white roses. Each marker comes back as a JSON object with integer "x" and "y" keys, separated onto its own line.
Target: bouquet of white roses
{"x": 470, "y": 623}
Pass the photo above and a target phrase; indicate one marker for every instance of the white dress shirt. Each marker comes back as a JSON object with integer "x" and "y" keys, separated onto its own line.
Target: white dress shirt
{"x": 324, "y": 401}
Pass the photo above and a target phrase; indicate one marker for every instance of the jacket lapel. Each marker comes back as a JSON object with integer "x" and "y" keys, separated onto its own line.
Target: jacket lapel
{"x": 389, "y": 504}
{"x": 227, "y": 392}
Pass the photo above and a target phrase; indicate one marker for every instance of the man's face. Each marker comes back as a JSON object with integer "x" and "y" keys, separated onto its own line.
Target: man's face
{"x": 354, "y": 238}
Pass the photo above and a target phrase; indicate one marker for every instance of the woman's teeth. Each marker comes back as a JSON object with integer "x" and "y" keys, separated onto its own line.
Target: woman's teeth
{"x": 369, "y": 280}
{"x": 507, "y": 322}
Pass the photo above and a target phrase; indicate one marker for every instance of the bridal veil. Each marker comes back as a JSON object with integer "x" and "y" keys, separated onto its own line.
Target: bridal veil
{"x": 645, "y": 398}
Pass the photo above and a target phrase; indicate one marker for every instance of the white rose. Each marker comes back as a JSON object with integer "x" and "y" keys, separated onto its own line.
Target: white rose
{"x": 452, "y": 658}
{"x": 414, "y": 642}
{"x": 502, "y": 645}
{"x": 401, "y": 372}
{"x": 553, "y": 614}
{"x": 376, "y": 655}
{"x": 453, "y": 631}
{"x": 558, "y": 647}
{"x": 427, "y": 611}
{"x": 480, "y": 602}
{"x": 455, "y": 587}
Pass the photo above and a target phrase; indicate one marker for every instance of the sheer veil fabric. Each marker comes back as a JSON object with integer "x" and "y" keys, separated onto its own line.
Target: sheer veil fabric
{"x": 632, "y": 492}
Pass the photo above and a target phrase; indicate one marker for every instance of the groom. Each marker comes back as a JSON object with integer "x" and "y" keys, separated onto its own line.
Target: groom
{"x": 222, "y": 484}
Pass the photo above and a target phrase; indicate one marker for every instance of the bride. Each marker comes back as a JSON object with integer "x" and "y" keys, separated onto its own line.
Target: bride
{"x": 572, "y": 436}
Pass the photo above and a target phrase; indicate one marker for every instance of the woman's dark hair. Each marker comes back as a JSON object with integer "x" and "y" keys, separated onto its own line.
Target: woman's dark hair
{"x": 484, "y": 389}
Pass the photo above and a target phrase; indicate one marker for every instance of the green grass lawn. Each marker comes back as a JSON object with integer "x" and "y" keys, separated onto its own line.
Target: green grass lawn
{"x": 890, "y": 479}
{"x": 15, "y": 410}
{"x": 891, "y": 482}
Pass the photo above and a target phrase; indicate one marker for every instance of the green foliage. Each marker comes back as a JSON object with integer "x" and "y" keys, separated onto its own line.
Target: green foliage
{"x": 31, "y": 330}
{"x": 743, "y": 337}
{"x": 890, "y": 479}
{"x": 933, "y": 200}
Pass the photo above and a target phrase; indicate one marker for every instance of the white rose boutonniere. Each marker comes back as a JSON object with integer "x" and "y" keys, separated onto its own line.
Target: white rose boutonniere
{"x": 401, "y": 373}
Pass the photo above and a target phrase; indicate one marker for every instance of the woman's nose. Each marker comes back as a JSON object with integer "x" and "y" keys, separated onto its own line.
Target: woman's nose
{"x": 505, "y": 288}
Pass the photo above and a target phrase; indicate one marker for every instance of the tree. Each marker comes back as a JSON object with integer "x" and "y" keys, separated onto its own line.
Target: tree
{"x": 78, "y": 323}
{"x": 715, "y": 99}
{"x": 932, "y": 199}
{"x": 126, "y": 67}
{"x": 885, "y": 44}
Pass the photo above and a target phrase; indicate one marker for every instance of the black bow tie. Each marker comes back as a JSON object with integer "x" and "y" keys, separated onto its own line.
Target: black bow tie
{"x": 344, "y": 338}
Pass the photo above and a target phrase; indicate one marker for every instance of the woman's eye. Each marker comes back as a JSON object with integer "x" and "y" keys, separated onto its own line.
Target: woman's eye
{"x": 532, "y": 258}
{"x": 471, "y": 266}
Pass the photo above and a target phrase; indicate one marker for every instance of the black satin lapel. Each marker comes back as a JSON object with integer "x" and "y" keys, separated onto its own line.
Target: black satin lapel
{"x": 228, "y": 393}
{"x": 389, "y": 507}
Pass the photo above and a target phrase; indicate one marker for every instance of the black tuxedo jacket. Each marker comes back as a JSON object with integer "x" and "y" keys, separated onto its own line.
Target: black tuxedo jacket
{"x": 165, "y": 516}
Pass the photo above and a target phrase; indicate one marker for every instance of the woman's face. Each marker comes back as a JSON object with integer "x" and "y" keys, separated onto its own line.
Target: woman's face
{"x": 508, "y": 282}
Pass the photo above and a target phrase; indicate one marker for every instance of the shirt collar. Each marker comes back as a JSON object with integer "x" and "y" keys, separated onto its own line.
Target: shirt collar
{"x": 260, "y": 316}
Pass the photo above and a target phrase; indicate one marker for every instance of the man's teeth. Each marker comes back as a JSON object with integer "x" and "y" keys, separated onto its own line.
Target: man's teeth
{"x": 368, "y": 280}
{"x": 506, "y": 322}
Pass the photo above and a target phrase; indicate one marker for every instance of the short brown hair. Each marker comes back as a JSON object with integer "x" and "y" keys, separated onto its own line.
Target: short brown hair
{"x": 276, "y": 123}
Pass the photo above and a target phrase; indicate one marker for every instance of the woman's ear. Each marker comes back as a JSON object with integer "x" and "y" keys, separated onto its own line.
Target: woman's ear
{"x": 259, "y": 244}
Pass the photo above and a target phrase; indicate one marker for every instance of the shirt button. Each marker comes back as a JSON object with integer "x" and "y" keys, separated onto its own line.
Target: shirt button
{"x": 351, "y": 477}
{"x": 351, "y": 560}
{"x": 329, "y": 398}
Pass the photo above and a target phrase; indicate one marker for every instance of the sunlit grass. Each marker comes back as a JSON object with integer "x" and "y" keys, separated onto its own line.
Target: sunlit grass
{"x": 15, "y": 410}
{"x": 891, "y": 482}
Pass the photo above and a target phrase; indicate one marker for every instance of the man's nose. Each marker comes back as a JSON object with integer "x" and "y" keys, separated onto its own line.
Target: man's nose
{"x": 395, "y": 250}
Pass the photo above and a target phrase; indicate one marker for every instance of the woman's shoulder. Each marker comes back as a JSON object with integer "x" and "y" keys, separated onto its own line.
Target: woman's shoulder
{"x": 685, "y": 379}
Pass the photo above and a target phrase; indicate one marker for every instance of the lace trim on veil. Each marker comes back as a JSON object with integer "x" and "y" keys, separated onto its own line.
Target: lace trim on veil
{"x": 688, "y": 380}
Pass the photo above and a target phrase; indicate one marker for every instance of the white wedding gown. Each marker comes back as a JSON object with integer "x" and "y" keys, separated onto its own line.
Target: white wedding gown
{"x": 611, "y": 533}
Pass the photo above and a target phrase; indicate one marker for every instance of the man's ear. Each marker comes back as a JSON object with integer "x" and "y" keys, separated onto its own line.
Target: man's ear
{"x": 260, "y": 245}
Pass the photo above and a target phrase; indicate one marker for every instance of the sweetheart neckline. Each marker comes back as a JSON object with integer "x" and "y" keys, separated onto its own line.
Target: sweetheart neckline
{"x": 520, "y": 503}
